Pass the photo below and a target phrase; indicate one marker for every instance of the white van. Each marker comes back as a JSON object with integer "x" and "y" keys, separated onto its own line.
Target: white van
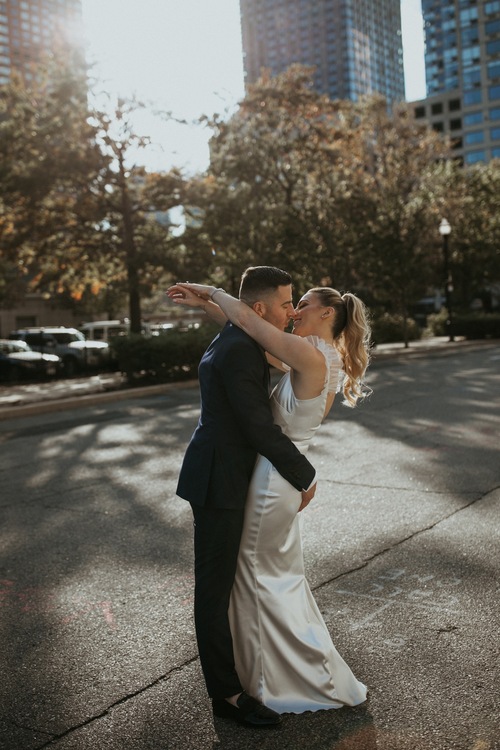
{"x": 104, "y": 330}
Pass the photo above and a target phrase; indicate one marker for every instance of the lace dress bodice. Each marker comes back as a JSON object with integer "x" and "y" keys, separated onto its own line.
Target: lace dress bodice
{"x": 299, "y": 419}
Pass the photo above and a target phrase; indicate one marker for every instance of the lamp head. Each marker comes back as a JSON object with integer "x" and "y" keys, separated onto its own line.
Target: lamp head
{"x": 444, "y": 228}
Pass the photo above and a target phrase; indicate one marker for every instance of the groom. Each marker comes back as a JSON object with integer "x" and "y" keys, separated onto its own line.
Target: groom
{"x": 235, "y": 425}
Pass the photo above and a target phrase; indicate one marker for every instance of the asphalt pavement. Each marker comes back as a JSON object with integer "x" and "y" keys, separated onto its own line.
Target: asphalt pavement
{"x": 401, "y": 546}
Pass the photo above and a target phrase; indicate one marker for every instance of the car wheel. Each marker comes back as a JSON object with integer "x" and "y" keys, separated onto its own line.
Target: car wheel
{"x": 70, "y": 366}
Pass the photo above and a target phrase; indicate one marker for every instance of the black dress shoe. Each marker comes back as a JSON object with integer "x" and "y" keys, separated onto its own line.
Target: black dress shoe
{"x": 249, "y": 711}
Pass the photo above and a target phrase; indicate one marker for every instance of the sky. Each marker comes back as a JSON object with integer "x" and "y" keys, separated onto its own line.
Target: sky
{"x": 185, "y": 56}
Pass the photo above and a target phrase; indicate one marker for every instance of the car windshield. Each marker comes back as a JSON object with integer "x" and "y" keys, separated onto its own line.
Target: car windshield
{"x": 67, "y": 338}
{"x": 14, "y": 346}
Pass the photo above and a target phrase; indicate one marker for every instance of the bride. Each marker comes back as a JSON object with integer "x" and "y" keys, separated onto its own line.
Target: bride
{"x": 283, "y": 651}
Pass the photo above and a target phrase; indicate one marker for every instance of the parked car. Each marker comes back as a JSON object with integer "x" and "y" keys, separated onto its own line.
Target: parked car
{"x": 77, "y": 354}
{"x": 107, "y": 330}
{"x": 18, "y": 361}
{"x": 104, "y": 330}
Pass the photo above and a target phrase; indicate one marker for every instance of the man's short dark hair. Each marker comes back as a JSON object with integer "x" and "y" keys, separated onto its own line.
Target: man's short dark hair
{"x": 258, "y": 281}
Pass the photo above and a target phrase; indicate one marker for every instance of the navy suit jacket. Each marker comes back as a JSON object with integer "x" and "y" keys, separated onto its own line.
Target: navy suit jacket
{"x": 235, "y": 424}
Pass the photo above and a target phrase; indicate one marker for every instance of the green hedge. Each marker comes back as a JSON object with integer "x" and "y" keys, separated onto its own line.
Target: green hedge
{"x": 388, "y": 328}
{"x": 175, "y": 356}
{"x": 470, "y": 325}
{"x": 166, "y": 358}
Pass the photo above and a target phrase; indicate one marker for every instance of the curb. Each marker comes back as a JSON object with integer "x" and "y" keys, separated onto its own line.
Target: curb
{"x": 92, "y": 399}
{"x": 383, "y": 354}
{"x": 443, "y": 348}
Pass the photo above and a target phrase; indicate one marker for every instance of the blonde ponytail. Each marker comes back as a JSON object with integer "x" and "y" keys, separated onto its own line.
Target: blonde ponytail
{"x": 353, "y": 346}
{"x": 351, "y": 336}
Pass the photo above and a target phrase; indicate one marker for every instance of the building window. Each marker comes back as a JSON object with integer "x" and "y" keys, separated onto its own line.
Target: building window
{"x": 495, "y": 152}
{"x": 438, "y": 127}
{"x": 467, "y": 16}
{"x": 470, "y": 36}
{"x": 492, "y": 27}
{"x": 454, "y": 105}
{"x": 456, "y": 124}
{"x": 474, "y": 156}
{"x": 494, "y": 69}
{"x": 473, "y": 118}
{"x": 494, "y": 92}
{"x": 493, "y": 7}
{"x": 472, "y": 138}
{"x": 472, "y": 77}
{"x": 437, "y": 109}
{"x": 495, "y": 134}
{"x": 495, "y": 113}
{"x": 472, "y": 97}
{"x": 419, "y": 112}
{"x": 471, "y": 55}
{"x": 493, "y": 48}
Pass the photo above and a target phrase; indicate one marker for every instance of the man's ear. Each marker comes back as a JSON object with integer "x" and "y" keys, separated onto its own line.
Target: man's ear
{"x": 259, "y": 308}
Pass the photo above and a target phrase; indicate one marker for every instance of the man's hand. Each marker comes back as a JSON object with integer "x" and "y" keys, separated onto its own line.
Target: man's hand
{"x": 307, "y": 496}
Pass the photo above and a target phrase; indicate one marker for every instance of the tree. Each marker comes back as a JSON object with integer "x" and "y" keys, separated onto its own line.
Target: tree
{"x": 400, "y": 160}
{"x": 134, "y": 199}
{"x": 336, "y": 192}
{"x": 78, "y": 217}
{"x": 475, "y": 238}
{"x": 261, "y": 163}
{"x": 50, "y": 171}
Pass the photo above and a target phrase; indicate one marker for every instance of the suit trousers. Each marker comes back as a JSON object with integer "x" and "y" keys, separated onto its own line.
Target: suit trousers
{"x": 217, "y": 536}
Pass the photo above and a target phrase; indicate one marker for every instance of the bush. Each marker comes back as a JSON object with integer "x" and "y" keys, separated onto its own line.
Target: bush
{"x": 166, "y": 358}
{"x": 388, "y": 328}
{"x": 478, "y": 325}
{"x": 436, "y": 323}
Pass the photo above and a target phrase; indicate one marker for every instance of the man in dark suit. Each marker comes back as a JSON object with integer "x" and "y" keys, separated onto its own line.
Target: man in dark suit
{"x": 235, "y": 425}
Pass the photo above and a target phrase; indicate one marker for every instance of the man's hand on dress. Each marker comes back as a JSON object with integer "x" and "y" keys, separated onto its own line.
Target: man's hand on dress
{"x": 307, "y": 496}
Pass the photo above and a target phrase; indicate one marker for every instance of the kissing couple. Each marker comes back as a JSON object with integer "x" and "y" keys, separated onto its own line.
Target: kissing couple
{"x": 264, "y": 647}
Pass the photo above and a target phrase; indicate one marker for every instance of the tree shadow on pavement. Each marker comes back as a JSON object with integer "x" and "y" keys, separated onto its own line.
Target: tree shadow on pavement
{"x": 95, "y": 565}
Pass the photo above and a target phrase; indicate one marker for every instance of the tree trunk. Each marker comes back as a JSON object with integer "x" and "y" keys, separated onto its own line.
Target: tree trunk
{"x": 404, "y": 308}
{"x": 130, "y": 252}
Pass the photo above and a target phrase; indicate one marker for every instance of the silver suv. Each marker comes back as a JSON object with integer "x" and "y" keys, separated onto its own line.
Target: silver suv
{"x": 77, "y": 354}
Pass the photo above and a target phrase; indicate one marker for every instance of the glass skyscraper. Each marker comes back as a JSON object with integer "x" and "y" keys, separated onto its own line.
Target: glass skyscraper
{"x": 30, "y": 29}
{"x": 462, "y": 66}
{"x": 354, "y": 45}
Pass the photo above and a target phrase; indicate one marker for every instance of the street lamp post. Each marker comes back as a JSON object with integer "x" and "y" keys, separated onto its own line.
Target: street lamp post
{"x": 444, "y": 231}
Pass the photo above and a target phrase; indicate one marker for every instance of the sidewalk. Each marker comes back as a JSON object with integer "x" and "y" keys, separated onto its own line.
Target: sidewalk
{"x": 38, "y": 398}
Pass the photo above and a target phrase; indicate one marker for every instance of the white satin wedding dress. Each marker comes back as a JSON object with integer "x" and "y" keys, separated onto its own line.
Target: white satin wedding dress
{"x": 283, "y": 651}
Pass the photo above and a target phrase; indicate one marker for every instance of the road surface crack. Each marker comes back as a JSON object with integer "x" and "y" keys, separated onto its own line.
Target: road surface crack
{"x": 413, "y": 535}
{"x": 163, "y": 678}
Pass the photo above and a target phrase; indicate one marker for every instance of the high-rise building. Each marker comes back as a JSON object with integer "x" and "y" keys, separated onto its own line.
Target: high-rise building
{"x": 462, "y": 66}
{"x": 30, "y": 29}
{"x": 354, "y": 45}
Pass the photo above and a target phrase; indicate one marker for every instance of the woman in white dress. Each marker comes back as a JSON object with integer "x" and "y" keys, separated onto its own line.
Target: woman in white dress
{"x": 283, "y": 651}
